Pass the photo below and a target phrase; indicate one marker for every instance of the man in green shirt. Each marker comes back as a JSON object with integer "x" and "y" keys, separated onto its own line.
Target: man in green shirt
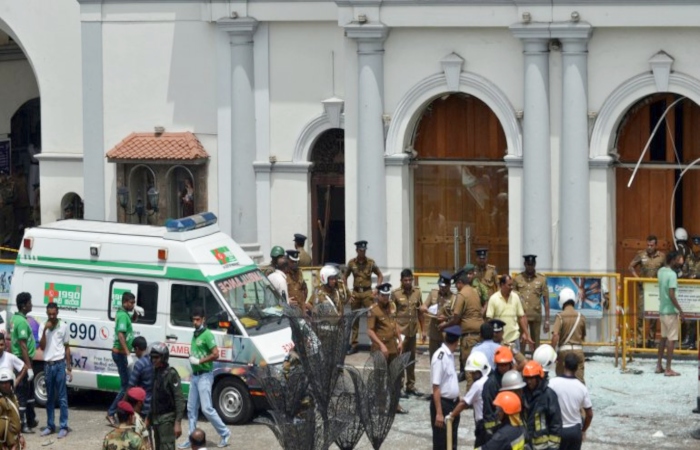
{"x": 203, "y": 353}
{"x": 24, "y": 347}
{"x": 669, "y": 310}
{"x": 121, "y": 350}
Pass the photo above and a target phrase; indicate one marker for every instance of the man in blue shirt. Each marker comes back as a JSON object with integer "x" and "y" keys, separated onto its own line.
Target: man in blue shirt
{"x": 670, "y": 312}
{"x": 142, "y": 373}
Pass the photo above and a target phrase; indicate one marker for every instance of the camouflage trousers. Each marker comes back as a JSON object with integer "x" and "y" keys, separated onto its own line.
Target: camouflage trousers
{"x": 164, "y": 432}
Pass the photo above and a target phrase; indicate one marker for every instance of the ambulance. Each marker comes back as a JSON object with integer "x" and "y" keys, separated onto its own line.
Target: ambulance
{"x": 86, "y": 266}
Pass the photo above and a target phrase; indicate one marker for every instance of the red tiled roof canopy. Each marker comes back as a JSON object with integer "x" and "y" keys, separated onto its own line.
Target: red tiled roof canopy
{"x": 182, "y": 147}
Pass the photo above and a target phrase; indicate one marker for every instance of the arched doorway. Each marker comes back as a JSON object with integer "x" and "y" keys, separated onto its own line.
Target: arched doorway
{"x": 328, "y": 197}
{"x": 645, "y": 208}
{"x": 460, "y": 184}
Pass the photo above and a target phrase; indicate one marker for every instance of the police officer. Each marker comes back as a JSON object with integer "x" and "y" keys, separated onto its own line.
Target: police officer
{"x": 327, "y": 293}
{"x": 296, "y": 285}
{"x": 649, "y": 262}
{"x": 569, "y": 332}
{"x": 433, "y": 307}
{"x": 168, "y": 402}
{"x": 533, "y": 291}
{"x": 485, "y": 276}
{"x": 694, "y": 272}
{"x": 407, "y": 301}
{"x": 683, "y": 247}
{"x": 361, "y": 268}
{"x": 443, "y": 378}
{"x": 304, "y": 257}
{"x": 383, "y": 329}
{"x": 9, "y": 408}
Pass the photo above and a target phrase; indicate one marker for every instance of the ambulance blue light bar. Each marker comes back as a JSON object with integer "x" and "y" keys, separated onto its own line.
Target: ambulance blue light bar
{"x": 191, "y": 223}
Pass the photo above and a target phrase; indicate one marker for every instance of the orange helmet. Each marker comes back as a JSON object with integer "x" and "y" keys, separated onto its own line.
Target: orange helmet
{"x": 508, "y": 401}
{"x": 533, "y": 369}
{"x": 503, "y": 355}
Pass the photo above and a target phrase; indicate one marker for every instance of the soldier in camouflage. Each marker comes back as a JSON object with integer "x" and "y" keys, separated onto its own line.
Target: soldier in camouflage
{"x": 124, "y": 437}
{"x": 485, "y": 277}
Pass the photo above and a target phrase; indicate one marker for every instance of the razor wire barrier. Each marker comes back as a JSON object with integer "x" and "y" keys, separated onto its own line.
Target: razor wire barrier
{"x": 640, "y": 316}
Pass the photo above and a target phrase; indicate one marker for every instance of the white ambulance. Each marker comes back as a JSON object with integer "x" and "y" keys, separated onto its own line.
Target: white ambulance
{"x": 86, "y": 266}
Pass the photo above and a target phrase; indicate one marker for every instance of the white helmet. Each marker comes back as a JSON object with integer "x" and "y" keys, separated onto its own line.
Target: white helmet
{"x": 6, "y": 374}
{"x": 327, "y": 272}
{"x": 681, "y": 234}
{"x": 512, "y": 380}
{"x": 546, "y": 356}
{"x": 477, "y": 362}
{"x": 566, "y": 295}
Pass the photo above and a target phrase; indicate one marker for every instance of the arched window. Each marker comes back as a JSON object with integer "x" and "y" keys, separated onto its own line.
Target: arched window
{"x": 182, "y": 193}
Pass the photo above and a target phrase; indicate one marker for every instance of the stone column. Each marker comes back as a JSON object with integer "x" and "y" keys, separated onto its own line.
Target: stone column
{"x": 243, "y": 201}
{"x": 574, "y": 211}
{"x": 536, "y": 185}
{"x": 371, "y": 183}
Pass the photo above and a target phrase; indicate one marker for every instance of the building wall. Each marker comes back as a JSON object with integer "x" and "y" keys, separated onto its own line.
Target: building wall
{"x": 17, "y": 85}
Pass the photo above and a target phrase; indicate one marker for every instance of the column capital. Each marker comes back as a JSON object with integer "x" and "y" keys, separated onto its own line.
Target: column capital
{"x": 368, "y": 33}
{"x": 535, "y": 36}
{"x": 240, "y": 27}
{"x": 574, "y": 36}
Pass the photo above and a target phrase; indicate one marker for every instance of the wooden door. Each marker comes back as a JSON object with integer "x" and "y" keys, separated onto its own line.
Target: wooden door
{"x": 460, "y": 182}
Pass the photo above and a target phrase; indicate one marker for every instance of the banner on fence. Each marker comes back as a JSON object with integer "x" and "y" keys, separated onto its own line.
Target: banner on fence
{"x": 589, "y": 294}
{"x": 688, "y": 296}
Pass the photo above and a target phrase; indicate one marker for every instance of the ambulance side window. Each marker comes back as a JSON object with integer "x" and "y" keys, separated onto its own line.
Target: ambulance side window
{"x": 184, "y": 297}
{"x": 146, "y": 297}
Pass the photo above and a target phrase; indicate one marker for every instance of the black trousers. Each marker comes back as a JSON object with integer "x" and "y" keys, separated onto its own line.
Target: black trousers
{"x": 480, "y": 434}
{"x": 25, "y": 398}
{"x": 440, "y": 434}
{"x": 571, "y": 438}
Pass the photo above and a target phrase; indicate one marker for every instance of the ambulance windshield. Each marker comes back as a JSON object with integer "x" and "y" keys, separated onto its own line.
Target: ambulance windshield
{"x": 251, "y": 297}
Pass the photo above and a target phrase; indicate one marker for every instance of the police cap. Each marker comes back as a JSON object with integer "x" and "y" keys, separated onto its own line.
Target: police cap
{"x": 384, "y": 288}
{"x": 454, "y": 330}
{"x": 530, "y": 259}
{"x": 298, "y": 237}
{"x": 497, "y": 324}
{"x": 696, "y": 239}
{"x": 361, "y": 245}
{"x": 481, "y": 252}
{"x": 445, "y": 278}
{"x": 293, "y": 255}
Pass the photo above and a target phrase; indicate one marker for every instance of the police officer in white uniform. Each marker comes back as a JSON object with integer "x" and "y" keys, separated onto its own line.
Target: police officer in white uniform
{"x": 443, "y": 377}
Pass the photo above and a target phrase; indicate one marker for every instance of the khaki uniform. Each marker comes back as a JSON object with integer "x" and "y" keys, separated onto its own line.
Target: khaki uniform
{"x": 434, "y": 333}
{"x": 687, "y": 253}
{"x": 468, "y": 307}
{"x": 563, "y": 325}
{"x": 648, "y": 267}
{"x": 531, "y": 291}
{"x": 10, "y": 408}
{"x": 407, "y": 309}
{"x": 304, "y": 258}
{"x": 485, "y": 282}
{"x": 383, "y": 322}
{"x": 296, "y": 286}
{"x": 362, "y": 297}
{"x": 123, "y": 438}
{"x": 694, "y": 266}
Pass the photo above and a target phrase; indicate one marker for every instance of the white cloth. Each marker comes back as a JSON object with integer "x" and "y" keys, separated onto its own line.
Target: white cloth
{"x": 573, "y": 395}
{"x": 278, "y": 279}
{"x": 10, "y": 361}
{"x": 56, "y": 341}
{"x": 474, "y": 399}
{"x": 443, "y": 373}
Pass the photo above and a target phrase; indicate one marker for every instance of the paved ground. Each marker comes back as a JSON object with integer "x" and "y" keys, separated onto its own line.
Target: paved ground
{"x": 629, "y": 409}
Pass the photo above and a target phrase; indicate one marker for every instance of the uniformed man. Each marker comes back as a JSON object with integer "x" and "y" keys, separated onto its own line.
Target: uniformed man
{"x": 361, "y": 268}
{"x": 327, "y": 292}
{"x": 569, "y": 332}
{"x": 683, "y": 248}
{"x": 434, "y": 309}
{"x": 276, "y": 253}
{"x": 383, "y": 329}
{"x": 168, "y": 401}
{"x": 485, "y": 276}
{"x": 649, "y": 262}
{"x": 507, "y": 306}
{"x": 503, "y": 360}
{"x": 532, "y": 288}
{"x": 296, "y": 285}
{"x": 7, "y": 201}
{"x": 445, "y": 398}
{"x": 694, "y": 273}
{"x": 407, "y": 301}
{"x": 304, "y": 257}
{"x": 11, "y": 429}
{"x": 124, "y": 437}
{"x": 499, "y": 328}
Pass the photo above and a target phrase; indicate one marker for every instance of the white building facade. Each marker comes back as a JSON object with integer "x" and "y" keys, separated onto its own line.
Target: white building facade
{"x": 423, "y": 126}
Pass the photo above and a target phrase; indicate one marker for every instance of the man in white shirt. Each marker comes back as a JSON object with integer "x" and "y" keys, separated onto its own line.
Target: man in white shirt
{"x": 443, "y": 377}
{"x": 10, "y": 361}
{"x": 278, "y": 278}
{"x": 478, "y": 365}
{"x": 57, "y": 368}
{"x": 573, "y": 395}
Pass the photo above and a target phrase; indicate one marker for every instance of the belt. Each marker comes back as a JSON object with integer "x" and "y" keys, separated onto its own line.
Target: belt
{"x": 361, "y": 289}
{"x": 571, "y": 347}
{"x": 449, "y": 400}
{"x": 53, "y": 363}
{"x": 197, "y": 373}
{"x": 471, "y": 334}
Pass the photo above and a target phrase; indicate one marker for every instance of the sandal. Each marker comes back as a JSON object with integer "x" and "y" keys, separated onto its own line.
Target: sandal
{"x": 659, "y": 370}
{"x": 112, "y": 421}
{"x": 671, "y": 373}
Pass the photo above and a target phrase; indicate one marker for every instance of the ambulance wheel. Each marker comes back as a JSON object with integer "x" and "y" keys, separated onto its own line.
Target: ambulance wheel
{"x": 40, "y": 394}
{"x": 232, "y": 401}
